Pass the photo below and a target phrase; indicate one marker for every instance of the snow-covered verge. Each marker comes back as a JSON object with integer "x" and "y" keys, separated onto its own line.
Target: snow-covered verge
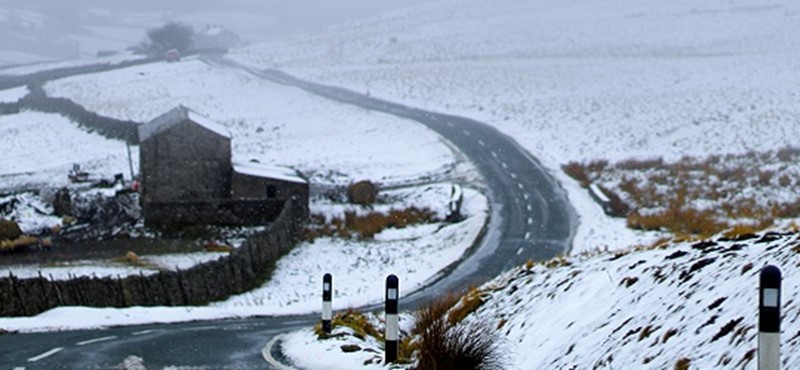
{"x": 576, "y": 80}
{"x": 344, "y": 350}
{"x": 416, "y": 254}
{"x": 646, "y": 309}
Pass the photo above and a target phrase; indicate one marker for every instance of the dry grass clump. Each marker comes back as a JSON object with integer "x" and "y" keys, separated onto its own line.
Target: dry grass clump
{"x": 683, "y": 364}
{"x": 366, "y": 226}
{"x": 699, "y": 197}
{"x": 441, "y": 345}
{"x": 354, "y": 320}
{"x": 466, "y": 305}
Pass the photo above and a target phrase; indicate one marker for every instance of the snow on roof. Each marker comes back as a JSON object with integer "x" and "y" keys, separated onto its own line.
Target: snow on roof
{"x": 268, "y": 171}
{"x": 178, "y": 115}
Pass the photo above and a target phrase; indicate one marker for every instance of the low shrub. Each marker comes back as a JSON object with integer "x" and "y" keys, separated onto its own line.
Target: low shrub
{"x": 577, "y": 172}
{"x": 362, "y": 192}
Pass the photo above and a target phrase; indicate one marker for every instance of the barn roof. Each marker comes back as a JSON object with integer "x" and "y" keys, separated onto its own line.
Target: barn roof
{"x": 267, "y": 171}
{"x": 176, "y": 116}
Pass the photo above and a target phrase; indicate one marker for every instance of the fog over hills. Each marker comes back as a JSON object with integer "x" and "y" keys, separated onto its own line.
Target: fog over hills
{"x": 38, "y": 30}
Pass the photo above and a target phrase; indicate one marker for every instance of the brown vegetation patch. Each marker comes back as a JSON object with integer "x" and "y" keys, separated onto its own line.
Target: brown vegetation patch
{"x": 365, "y": 226}
{"x": 699, "y": 197}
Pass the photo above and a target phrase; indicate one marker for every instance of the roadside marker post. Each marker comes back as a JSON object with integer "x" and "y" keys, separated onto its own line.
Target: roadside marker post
{"x": 392, "y": 333}
{"x": 769, "y": 319}
{"x": 327, "y": 303}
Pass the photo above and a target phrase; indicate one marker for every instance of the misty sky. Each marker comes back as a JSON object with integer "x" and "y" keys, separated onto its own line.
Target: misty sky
{"x": 62, "y": 29}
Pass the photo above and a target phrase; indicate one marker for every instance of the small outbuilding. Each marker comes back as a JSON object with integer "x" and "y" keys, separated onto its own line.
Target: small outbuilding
{"x": 188, "y": 177}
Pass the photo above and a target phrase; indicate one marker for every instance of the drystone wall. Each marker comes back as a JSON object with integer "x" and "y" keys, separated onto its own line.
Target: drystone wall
{"x": 243, "y": 269}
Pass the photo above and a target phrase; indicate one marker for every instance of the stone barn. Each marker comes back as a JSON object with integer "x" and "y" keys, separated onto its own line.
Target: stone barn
{"x": 188, "y": 177}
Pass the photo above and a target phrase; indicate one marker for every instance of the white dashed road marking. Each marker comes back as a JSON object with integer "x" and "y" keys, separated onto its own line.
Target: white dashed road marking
{"x": 466, "y": 133}
{"x": 96, "y": 340}
{"x": 481, "y": 143}
{"x": 525, "y": 196}
{"x": 143, "y": 332}
{"x": 519, "y": 251}
{"x": 529, "y": 207}
{"x": 494, "y": 154}
{"x": 504, "y": 165}
{"x": 513, "y": 175}
{"x": 46, "y": 354}
{"x": 519, "y": 185}
{"x": 530, "y": 221}
{"x": 527, "y": 235}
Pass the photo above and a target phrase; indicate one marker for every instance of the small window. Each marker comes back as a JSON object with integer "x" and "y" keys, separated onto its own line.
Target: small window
{"x": 271, "y": 191}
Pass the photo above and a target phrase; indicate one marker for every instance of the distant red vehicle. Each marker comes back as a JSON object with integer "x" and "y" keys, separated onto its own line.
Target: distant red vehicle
{"x": 172, "y": 55}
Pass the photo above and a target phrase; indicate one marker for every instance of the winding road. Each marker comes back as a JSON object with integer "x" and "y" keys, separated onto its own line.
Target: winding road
{"x": 531, "y": 219}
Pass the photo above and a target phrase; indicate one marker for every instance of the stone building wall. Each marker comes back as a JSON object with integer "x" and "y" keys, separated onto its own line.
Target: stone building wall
{"x": 254, "y": 187}
{"x": 228, "y": 212}
{"x": 185, "y": 163}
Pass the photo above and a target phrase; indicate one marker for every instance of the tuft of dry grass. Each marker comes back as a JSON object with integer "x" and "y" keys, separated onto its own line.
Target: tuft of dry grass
{"x": 466, "y": 305}
{"x": 683, "y": 364}
{"x": 354, "y": 320}
{"x": 578, "y": 172}
{"x": 464, "y": 346}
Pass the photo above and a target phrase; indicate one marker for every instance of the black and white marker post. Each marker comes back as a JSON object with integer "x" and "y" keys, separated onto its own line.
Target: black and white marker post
{"x": 769, "y": 319}
{"x": 327, "y": 303}
{"x": 392, "y": 328}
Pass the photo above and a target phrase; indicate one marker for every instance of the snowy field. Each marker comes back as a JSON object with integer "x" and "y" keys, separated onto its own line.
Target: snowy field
{"x": 575, "y": 80}
{"x": 39, "y": 149}
{"x": 329, "y": 142}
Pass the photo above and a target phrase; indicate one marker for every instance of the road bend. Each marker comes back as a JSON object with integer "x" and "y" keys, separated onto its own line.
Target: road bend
{"x": 531, "y": 219}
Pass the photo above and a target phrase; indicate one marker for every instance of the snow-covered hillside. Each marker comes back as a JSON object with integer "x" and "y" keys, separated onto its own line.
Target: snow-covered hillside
{"x": 647, "y": 309}
{"x": 578, "y": 80}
